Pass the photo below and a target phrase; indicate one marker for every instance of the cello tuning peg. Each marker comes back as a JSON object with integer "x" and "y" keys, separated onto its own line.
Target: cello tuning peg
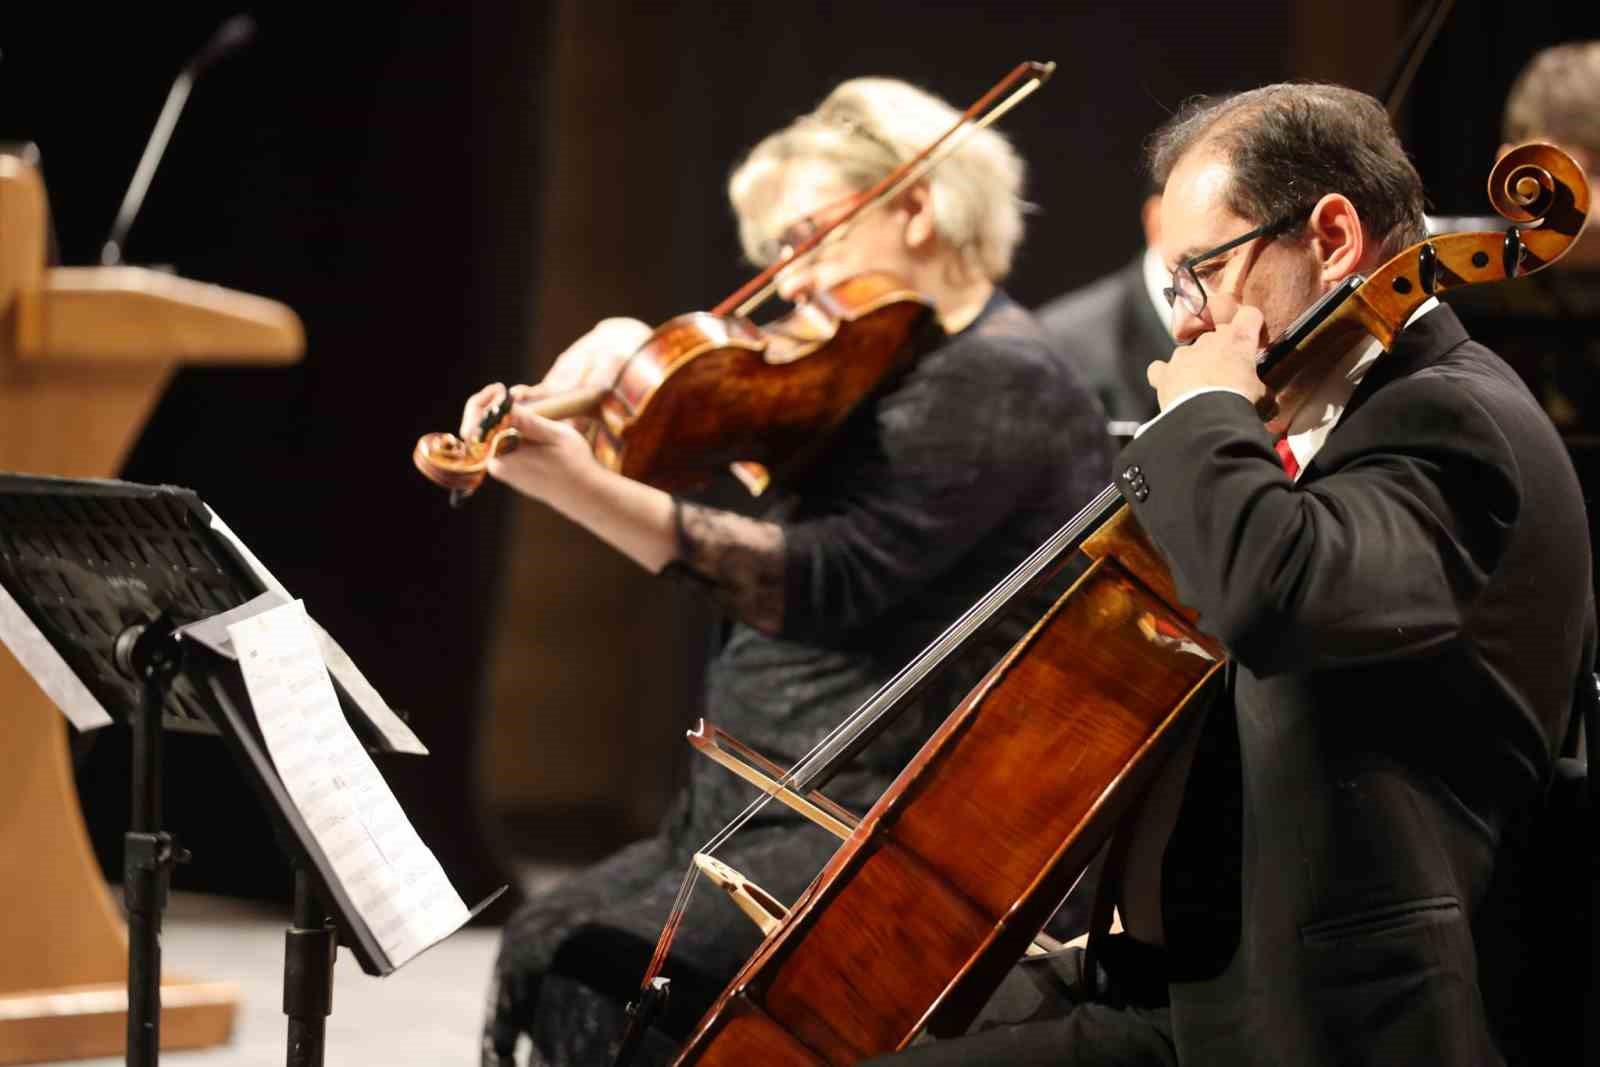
{"x": 1511, "y": 252}
{"x": 1428, "y": 267}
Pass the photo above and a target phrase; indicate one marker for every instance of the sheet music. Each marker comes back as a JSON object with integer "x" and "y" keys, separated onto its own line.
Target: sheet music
{"x": 212, "y": 631}
{"x": 391, "y": 877}
{"x": 52, "y": 674}
{"x": 340, "y": 665}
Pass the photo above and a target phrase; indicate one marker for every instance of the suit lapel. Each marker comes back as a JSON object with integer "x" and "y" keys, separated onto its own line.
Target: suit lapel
{"x": 1419, "y": 345}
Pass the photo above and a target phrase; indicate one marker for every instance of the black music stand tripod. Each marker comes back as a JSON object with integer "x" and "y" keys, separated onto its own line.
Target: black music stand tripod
{"x": 122, "y": 594}
{"x": 153, "y": 654}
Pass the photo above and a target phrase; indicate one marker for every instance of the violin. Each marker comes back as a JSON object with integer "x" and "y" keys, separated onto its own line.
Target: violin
{"x": 939, "y": 887}
{"x": 710, "y": 388}
{"x": 706, "y": 390}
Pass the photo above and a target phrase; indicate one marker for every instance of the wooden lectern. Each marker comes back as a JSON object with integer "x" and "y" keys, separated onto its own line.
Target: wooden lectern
{"x": 84, "y": 355}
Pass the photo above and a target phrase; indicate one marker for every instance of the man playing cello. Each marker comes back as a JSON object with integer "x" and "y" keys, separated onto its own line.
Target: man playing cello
{"x": 1398, "y": 565}
{"x": 925, "y": 497}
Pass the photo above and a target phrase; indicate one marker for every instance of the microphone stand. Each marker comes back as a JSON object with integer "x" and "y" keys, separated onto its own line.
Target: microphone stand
{"x": 230, "y": 36}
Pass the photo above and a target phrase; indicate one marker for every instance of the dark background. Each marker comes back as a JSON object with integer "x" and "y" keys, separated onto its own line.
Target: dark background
{"x": 448, "y": 194}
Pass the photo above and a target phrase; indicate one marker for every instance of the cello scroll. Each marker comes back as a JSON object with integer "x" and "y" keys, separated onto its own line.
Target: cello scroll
{"x": 1536, "y": 187}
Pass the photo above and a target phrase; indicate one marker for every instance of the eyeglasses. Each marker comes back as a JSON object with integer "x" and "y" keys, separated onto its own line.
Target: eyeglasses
{"x": 803, "y": 229}
{"x": 1186, "y": 285}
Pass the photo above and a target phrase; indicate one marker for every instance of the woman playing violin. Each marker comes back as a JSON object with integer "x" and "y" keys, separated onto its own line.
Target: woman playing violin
{"x": 925, "y": 496}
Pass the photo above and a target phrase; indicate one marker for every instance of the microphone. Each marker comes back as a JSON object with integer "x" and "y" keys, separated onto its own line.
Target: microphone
{"x": 231, "y": 36}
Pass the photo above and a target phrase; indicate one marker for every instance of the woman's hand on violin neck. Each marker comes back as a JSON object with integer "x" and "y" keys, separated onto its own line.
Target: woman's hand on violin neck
{"x": 478, "y": 405}
{"x": 551, "y": 458}
{"x": 597, "y": 357}
{"x": 553, "y": 463}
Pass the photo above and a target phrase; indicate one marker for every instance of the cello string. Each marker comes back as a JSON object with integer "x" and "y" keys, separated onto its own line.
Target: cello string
{"x": 669, "y": 929}
{"x": 890, "y": 695}
{"x": 911, "y": 677}
{"x": 680, "y": 904}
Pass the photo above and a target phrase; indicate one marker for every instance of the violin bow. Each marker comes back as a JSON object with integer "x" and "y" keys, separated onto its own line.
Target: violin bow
{"x": 984, "y": 112}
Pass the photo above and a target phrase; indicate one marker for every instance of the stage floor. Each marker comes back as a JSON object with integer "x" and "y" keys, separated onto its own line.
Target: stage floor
{"x": 427, "y": 1013}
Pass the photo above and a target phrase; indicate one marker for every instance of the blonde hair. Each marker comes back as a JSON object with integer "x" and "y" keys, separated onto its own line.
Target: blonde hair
{"x": 867, "y": 127}
{"x": 1557, "y": 95}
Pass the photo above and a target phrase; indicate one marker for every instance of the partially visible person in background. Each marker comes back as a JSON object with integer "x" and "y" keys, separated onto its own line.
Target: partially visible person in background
{"x": 1556, "y": 98}
{"x": 1115, "y": 327}
{"x": 1547, "y": 325}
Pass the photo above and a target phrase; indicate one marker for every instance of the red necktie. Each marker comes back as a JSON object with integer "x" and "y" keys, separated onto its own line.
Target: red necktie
{"x": 1286, "y": 457}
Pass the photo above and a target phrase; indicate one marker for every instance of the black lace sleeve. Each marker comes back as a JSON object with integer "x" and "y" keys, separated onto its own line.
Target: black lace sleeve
{"x": 739, "y": 561}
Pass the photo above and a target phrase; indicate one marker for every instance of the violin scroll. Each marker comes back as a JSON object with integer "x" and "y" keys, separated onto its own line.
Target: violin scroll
{"x": 459, "y": 466}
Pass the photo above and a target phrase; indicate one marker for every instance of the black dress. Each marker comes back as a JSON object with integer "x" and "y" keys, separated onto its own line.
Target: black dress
{"x": 924, "y": 500}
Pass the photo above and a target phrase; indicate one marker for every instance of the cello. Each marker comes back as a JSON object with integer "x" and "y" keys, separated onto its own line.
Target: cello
{"x": 942, "y": 883}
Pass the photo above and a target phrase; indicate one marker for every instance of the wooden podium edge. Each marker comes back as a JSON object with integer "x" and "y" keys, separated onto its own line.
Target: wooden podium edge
{"x": 86, "y": 1021}
{"x": 91, "y": 349}
{"x": 136, "y": 314}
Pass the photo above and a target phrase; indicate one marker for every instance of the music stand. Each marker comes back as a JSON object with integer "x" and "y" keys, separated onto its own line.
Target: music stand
{"x": 116, "y": 597}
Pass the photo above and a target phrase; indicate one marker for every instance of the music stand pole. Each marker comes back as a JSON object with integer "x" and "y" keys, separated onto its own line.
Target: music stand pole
{"x": 309, "y": 947}
{"x": 152, "y": 655}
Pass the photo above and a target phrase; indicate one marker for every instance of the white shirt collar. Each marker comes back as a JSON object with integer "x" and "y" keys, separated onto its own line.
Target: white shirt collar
{"x": 1316, "y": 420}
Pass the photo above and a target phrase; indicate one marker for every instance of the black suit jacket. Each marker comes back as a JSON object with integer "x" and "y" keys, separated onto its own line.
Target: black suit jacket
{"x": 1406, "y": 625}
{"x": 1112, "y": 333}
